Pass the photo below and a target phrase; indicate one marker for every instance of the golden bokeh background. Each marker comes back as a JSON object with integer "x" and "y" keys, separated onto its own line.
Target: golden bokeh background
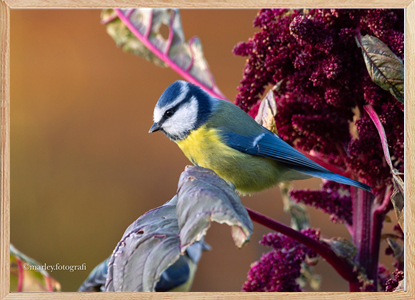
{"x": 83, "y": 166}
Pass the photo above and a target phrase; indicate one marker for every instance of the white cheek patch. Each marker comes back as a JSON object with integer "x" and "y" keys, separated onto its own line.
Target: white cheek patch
{"x": 158, "y": 114}
{"x": 183, "y": 120}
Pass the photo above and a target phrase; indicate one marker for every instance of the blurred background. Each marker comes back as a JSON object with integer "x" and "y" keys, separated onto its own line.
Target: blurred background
{"x": 83, "y": 166}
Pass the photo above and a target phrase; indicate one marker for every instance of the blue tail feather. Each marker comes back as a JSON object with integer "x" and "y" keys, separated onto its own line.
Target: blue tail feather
{"x": 333, "y": 177}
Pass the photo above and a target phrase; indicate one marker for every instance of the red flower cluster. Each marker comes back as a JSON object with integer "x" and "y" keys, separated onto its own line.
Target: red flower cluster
{"x": 334, "y": 199}
{"x": 321, "y": 87}
{"x": 322, "y": 83}
{"x": 278, "y": 270}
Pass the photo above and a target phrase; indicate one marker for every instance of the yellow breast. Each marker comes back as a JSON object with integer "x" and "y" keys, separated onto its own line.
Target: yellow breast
{"x": 204, "y": 147}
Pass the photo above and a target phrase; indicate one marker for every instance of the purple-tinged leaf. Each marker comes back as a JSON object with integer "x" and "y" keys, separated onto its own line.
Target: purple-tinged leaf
{"x": 148, "y": 247}
{"x": 204, "y": 197}
{"x": 27, "y": 275}
{"x": 384, "y": 67}
{"x": 185, "y": 58}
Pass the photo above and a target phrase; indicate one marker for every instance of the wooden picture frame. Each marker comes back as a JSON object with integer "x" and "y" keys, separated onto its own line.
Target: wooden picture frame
{"x": 5, "y": 7}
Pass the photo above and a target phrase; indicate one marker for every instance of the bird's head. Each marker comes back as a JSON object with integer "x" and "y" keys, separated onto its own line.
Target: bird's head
{"x": 182, "y": 107}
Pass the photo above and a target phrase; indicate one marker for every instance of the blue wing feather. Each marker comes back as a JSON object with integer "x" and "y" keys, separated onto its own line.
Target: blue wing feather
{"x": 271, "y": 146}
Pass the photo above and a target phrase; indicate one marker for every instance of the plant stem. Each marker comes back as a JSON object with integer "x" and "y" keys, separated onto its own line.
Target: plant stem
{"x": 354, "y": 286}
{"x": 367, "y": 227}
{"x": 20, "y": 277}
{"x": 339, "y": 264}
{"x": 213, "y": 90}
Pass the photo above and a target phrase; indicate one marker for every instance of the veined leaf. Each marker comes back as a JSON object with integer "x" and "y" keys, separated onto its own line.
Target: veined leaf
{"x": 148, "y": 259}
{"x": 185, "y": 58}
{"x": 27, "y": 275}
{"x": 124, "y": 38}
{"x": 156, "y": 240}
{"x": 384, "y": 67}
{"x": 204, "y": 197}
{"x": 148, "y": 247}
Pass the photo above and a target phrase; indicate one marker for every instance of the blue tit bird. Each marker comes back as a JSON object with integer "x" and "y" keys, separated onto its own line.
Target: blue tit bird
{"x": 218, "y": 135}
{"x": 176, "y": 278}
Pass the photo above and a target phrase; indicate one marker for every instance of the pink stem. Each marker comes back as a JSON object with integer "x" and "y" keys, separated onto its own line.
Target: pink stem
{"x": 341, "y": 265}
{"x": 49, "y": 284}
{"x": 20, "y": 277}
{"x": 386, "y": 203}
{"x": 166, "y": 58}
{"x": 191, "y": 54}
{"x": 375, "y": 119}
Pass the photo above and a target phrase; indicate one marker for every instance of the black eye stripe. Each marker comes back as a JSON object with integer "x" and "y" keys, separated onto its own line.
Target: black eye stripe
{"x": 177, "y": 106}
{"x": 169, "y": 112}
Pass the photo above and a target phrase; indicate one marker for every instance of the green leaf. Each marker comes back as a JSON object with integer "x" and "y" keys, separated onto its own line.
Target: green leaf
{"x": 343, "y": 248}
{"x": 148, "y": 247}
{"x": 204, "y": 197}
{"x": 27, "y": 275}
{"x": 384, "y": 67}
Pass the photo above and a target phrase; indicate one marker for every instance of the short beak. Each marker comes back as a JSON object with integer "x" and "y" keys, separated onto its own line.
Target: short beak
{"x": 155, "y": 127}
